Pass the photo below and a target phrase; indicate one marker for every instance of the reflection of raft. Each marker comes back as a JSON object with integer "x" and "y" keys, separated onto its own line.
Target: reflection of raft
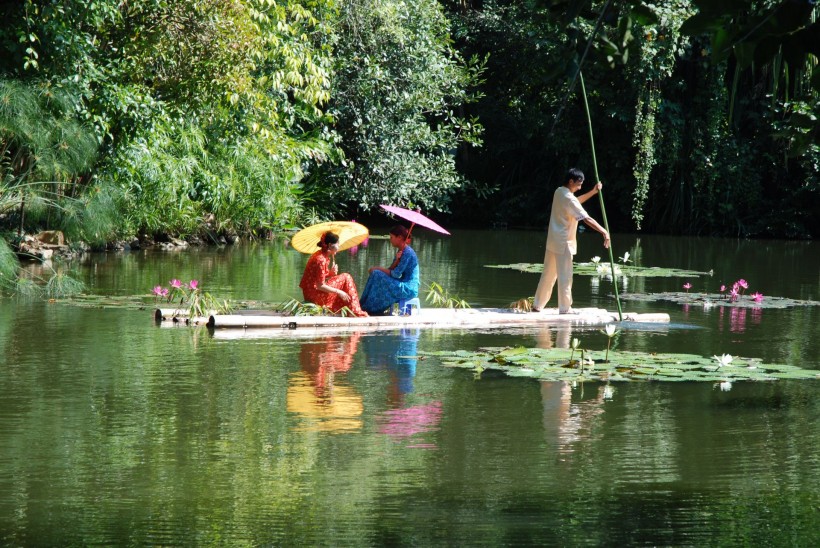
{"x": 475, "y": 318}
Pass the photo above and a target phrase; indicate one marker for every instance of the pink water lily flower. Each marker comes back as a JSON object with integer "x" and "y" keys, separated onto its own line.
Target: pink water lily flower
{"x": 757, "y": 296}
{"x": 687, "y": 286}
{"x": 365, "y": 242}
{"x": 743, "y": 283}
{"x": 354, "y": 250}
{"x": 165, "y": 291}
{"x": 176, "y": 284}
{"x": 722, "y": 288}
{"x": 733, "y": 293}
{"x": 193, "y": 284}
{"x": 158, "y": 291}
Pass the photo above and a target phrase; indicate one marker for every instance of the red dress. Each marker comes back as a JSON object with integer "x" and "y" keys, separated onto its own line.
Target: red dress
{"x": 317, "y": 272}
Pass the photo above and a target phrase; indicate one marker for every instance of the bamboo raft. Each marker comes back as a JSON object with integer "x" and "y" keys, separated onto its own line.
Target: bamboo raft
{"x": 443, "y": 318}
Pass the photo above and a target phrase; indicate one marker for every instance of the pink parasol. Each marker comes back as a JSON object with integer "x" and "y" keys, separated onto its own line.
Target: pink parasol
{"x": 415, "y": 217}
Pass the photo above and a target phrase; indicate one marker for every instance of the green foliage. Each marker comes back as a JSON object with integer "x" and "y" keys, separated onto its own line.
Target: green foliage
{"x": 397, "y": 87}
{"x": 221, "y": 98}
{"x": 177, "y": 177}
{"x": 239, "y": 103}
{"x": 707, "y": 151}
{"x": 44, "y": 152}
{"x": 9, "y": 266}
{"x": 42, "y": 145}
{"x": 438, "y": 296}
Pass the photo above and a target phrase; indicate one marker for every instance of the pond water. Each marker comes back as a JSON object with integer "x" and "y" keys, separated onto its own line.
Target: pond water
{"x": 114, "y": 430}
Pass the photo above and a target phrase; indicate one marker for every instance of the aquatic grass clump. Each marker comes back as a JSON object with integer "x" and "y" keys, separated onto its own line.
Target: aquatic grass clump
{"x": 295, "y": 307}
{"x": 440, "y": 297}
{"x": 8, "y": 266}
{"x": 191, "y": 298}
{"x": 61, "y": 285}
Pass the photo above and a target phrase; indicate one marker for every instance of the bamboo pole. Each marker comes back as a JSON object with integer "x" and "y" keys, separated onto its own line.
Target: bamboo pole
{"x": 601, "y": 197}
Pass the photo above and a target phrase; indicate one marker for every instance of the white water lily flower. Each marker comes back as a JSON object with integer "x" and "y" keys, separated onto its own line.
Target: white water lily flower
{"x": 609, "y": 391}
{"x": 575, "y": 343}
{"x": 610, "y": 330}
{"x": 725, "y": 386}
{"x": 625, "y": 258}
{"x": 723, "y": 360}
{"x": 600, "y": 269}
{"x": 596, "y": 259}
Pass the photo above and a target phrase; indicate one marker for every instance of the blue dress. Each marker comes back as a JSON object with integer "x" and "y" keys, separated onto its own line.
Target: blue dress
{"x": 382, "y": 290}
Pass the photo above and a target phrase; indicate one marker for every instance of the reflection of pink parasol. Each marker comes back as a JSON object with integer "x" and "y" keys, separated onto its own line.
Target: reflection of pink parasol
{"x": 415, "y": 217}
{"x": 403, "y": 423}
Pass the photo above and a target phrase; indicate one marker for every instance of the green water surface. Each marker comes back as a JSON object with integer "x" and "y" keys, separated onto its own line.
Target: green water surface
{"x": 116, "y": 431}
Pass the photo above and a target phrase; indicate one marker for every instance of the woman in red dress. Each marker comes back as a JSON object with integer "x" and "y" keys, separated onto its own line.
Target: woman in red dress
{"x": 323, "y": 285}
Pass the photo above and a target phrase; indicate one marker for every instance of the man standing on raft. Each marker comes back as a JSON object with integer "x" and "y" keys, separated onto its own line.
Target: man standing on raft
{"x": 561, "y": 241}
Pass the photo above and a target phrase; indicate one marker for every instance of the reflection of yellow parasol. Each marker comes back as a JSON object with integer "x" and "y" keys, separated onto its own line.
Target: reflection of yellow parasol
{"x": 350, "y": 234}
{"x": 334, "y": 409}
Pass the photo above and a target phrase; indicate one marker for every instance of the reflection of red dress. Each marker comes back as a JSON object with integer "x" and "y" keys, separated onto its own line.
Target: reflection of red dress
{"x": 317, "y": 272}
{"x": 321, "y": 359}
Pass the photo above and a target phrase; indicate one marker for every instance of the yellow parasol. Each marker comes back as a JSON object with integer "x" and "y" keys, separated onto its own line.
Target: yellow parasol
{"x": 350, "y": 234}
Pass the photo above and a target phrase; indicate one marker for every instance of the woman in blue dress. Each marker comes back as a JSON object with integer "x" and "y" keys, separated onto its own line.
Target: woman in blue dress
{"x": 386, "y": 286}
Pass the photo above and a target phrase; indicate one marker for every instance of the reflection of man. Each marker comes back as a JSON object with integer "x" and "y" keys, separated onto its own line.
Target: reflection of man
{"x": 561, "y": 241}
{"x": 562, "y": 334}
{"x": 564, "y": 422}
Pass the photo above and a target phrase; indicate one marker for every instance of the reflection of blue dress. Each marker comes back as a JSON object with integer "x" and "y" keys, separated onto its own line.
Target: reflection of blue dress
{"x": 382, "y": 290}
{"x": 398, "y": 356}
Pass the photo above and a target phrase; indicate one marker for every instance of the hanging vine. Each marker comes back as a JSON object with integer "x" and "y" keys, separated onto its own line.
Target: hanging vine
{"x": 644, "y": 142}
{"x": 658, "y": 50}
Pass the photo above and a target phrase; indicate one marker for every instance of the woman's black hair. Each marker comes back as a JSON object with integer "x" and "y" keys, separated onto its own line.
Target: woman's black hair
{"x": 328, "y": 238}
{"x": 400, "y": 230}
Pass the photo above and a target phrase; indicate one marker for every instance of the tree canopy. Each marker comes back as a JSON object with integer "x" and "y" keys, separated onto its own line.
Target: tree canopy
{"x": 147, "y": 117}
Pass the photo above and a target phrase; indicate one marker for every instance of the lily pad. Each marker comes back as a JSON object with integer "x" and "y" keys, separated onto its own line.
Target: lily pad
{"x": 603, "y": 269}
{"x": 558, "y": 364}
{"x": 708, "y": 300}
{"x": 128, "y": 302}
{"x": 141, "y": 302}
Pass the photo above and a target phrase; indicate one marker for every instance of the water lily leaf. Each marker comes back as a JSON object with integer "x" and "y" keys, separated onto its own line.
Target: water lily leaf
{"x": 128, "y": 302}
{"x": 708, "y": 300}
{"x": 604, "y": 269}
{"x": 557, "y": 364}
{"x": 795, "y": 374}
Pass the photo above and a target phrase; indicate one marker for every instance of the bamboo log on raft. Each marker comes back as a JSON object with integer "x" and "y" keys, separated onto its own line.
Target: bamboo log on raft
{"x": 433, "y": 317}
{"x": 179, "y": 315}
